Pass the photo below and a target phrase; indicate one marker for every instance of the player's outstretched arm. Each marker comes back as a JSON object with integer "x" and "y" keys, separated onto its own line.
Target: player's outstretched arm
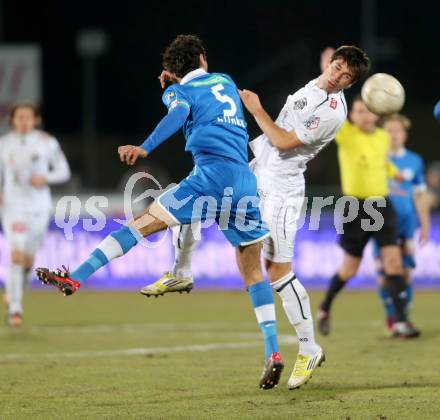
{"x": 172, "y": 122}
{"x": 280, "y": 138}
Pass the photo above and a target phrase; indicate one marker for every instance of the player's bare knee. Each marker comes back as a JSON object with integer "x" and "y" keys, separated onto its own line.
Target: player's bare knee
{"x": 248, "y": 261}
{"x": 349, "y": 267}
{"x": 348, "y": 270}
{"x": 393, "y": 264}
{"x": 345, "y": 273}
{"x": 153, "y": 220}
{"x": 18, "y": 257}
{"x": 276, "y": 271}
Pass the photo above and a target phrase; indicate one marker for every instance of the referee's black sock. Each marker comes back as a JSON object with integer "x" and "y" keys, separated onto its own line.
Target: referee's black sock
{"x": 335, "y": 286}
{"x": 396, "y": 287}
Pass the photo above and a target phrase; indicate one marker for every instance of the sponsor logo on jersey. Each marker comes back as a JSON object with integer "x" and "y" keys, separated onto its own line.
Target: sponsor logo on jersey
{"x": 210, "y": 80}
{"x": 312, "y": 123}
{"x": 300, "y": 104}
{"x": 333, "y": 103}
{"x": 19, "y": 227}
{"x": 177, "y": 102}
{"x": 408, "y": 174}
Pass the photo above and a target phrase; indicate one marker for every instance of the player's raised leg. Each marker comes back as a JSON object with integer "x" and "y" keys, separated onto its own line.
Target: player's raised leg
{"x": 118, "y": 243}
{"x": 180, "y": 277}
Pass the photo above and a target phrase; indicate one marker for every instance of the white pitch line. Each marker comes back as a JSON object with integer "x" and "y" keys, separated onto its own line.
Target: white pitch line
{"x": 153, "y": 328}
{"x": 124, "y": 329}
{"x": 286, "y": 339}
{"x": 205, "y": 329}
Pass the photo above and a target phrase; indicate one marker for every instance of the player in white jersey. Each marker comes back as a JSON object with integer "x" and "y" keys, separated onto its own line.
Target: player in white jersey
{"x": 308, "y": 122}
{"x": 30, "y": 161}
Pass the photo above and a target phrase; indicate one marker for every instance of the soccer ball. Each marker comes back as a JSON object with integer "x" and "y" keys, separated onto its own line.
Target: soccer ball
{"x": 383, "y": 94}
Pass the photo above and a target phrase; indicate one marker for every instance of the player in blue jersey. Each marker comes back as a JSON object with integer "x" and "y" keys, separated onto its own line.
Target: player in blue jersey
{"x": 409, "y": 198}
{"x": 207, "y": 106}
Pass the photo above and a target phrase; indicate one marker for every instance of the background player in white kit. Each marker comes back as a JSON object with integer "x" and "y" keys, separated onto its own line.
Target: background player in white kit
{"x": 30, "y": 161}
{"x": 307, "y": 123}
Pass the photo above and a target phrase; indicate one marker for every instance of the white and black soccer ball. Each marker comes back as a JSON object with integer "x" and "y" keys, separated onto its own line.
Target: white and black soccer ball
{"x": 383, "y": 94}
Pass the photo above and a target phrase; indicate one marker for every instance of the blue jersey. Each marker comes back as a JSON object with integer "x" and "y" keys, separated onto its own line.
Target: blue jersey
{"x": 215, "y": 125}
{"x": 410, "y": 165}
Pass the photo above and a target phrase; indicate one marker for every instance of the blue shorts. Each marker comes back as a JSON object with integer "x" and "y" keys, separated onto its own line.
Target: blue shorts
{"x": 223, "y": 190}
{"x": 406, "y": 225}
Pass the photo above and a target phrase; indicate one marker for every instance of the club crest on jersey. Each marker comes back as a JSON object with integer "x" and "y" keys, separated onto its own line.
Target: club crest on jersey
{"x": 408, "y": 174}
{"x": 333, "y": 103}
{"x": 312, "y": 123}
{"x": 300, "y": 104}
{"x": 170, "y": 96}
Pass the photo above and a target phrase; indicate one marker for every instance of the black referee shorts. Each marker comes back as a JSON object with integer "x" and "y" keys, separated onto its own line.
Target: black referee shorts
{"x": 355, "y": 238}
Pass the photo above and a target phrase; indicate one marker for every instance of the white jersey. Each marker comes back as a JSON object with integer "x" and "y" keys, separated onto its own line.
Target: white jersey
{"x": 315, "y": 115}
{"x": 21, "y": 157}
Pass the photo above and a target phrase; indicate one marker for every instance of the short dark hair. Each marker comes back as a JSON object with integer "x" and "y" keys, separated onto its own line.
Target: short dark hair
{"x": 357, "y": 60}
{"x": 183, "y": 55}
{"x": 357, "y": 98}
{"x": 26, "y": 104}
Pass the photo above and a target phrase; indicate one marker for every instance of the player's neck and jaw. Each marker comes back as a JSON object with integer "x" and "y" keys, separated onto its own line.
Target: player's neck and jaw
{"x": 397, "y": 151}
{"x": 337, "y": 76}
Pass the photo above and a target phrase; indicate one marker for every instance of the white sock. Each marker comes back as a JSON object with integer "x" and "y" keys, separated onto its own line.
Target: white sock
{"x": 14, "y": 288}
{"x": 296, "y": 304}
{"x": 184, "y": 244}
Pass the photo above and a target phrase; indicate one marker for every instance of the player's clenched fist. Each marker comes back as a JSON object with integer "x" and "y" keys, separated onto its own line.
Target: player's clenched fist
{"x": 251, "y": 101}
{"x": 167, "y": 78}
{"x": 129, "y": 154}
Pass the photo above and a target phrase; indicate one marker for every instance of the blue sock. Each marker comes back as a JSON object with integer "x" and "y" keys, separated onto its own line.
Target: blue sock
{"x": 115, "y": 245}
{"x": 409, "y": 297}
{"x": 262, "y": 301}
{"x": 387, "y": 301}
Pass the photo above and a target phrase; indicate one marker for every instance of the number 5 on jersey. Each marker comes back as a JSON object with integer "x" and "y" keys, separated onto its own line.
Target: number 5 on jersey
{"x": 224, "y": 99}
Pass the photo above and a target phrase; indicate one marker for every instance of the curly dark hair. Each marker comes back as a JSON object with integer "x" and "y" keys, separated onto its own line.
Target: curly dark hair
{"x": 357, "y": 60}
{"x": 182, "y": 55}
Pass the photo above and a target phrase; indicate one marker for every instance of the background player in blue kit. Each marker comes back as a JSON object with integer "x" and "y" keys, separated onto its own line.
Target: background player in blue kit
{"x": 220, "y": 187}
{"x": 409, "y": 199}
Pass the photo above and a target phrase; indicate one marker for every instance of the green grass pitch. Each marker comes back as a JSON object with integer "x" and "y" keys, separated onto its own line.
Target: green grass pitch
{"x": 199, "y": 356}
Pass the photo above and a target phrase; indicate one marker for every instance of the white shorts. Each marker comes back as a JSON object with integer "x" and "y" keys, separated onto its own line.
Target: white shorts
{"x": 280, "y": 208}
{"x": 24, "y": 231}
{"x": 281, "y": 213}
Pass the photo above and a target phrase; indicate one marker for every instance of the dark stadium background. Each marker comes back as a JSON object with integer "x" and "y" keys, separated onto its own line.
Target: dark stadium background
{"x": 270, "y": 48}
